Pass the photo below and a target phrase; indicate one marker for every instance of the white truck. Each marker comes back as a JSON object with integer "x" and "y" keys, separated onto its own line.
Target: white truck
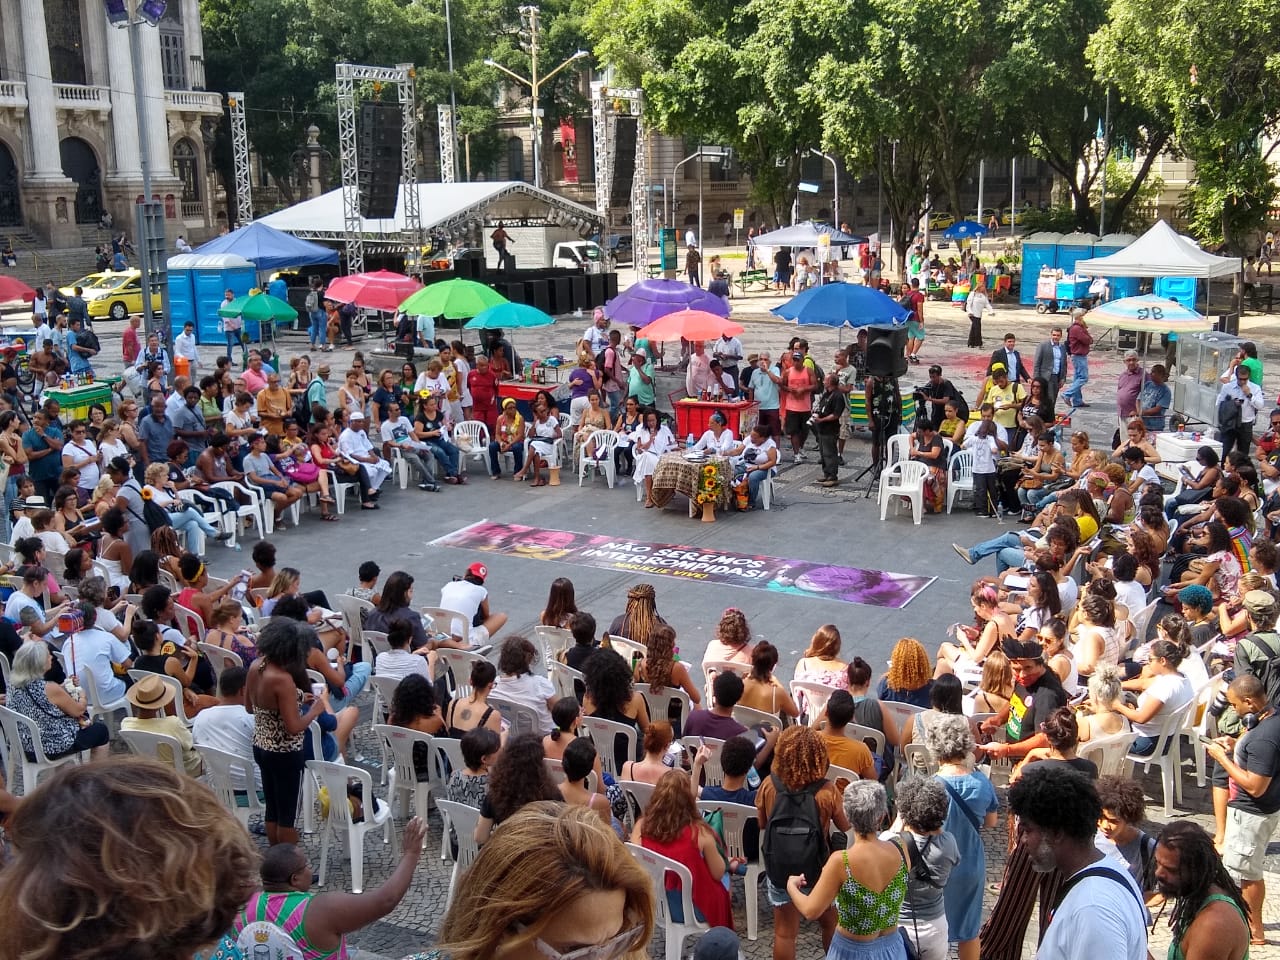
{"x": 551, "y": 246}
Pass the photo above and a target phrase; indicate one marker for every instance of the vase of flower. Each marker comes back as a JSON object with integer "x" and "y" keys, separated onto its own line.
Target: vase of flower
{"x": 709, "y": 512}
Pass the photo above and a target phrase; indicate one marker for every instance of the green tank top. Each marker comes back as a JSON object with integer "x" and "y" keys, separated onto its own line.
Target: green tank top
{"x": 863, "y": 912}
{"x": 1175, "y": 947}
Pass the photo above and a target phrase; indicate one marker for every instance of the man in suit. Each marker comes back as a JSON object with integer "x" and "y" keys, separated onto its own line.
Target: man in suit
{"x": 1011, "y": 358}
{"x": 1051, "y": 363}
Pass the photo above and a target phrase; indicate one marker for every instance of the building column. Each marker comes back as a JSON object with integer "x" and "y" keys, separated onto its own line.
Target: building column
{"x": 124, "y": 119}
{"x": 157, "y": 119}
{"x": 42, "y": 117}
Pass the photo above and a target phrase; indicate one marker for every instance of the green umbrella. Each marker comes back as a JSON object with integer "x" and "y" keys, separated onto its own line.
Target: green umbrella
{"x": 258, "y": 306}
{"x": 510, "y": 316}
{"x": 455, "y": 299}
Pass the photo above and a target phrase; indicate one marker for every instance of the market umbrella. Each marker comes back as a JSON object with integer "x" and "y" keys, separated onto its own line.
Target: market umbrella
{"x": 258, "y": 306}
{"x": 964, "y": 230}
{"x": 455, "y": 299}
{"x": 644, "y": 302}
{"x": 509, "y": 316}
{"x": 842, "y": 304}
{"x": 691, "y": 325}
{"x": 1148, "y": 314}
{"x": 378, "y": 290}
{"x": 13, "y": 289}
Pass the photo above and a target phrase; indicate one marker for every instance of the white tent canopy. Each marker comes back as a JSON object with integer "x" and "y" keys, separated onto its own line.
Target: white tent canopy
{"x": 1160, "y": 252}
{"x": 441, "y": 206}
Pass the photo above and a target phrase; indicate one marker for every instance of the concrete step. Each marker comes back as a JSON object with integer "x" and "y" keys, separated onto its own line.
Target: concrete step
{"x": 61, "y": 266}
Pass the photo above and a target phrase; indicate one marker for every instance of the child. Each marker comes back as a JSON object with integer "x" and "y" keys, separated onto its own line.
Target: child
{"x": 479, "y": 747}
{"x": 583, "y": 627}
{"x": 368, "y": 588}
{"x": 737, "y": 760}
{"x": 984, "y": 446}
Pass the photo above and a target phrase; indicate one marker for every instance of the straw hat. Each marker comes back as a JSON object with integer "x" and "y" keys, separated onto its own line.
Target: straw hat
{"x": 150, "y": 693}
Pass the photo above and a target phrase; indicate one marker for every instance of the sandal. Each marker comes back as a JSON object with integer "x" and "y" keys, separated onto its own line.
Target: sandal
{"x": 369, "y": 506}
{"x": 331, "y": 518}
{"x": 326, "y": 499}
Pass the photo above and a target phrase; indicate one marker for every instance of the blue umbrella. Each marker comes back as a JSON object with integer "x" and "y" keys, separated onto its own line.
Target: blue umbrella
{"x": 964, "y": 230}
{"x": 509, "y": 316}
{"x": 842, "y": 304}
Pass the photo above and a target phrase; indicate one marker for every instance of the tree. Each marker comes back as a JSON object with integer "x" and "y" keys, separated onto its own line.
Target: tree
{"x": 1216, "y": 74}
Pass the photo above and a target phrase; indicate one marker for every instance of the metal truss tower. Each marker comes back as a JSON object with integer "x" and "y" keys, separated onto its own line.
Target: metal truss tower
{"x": 240, "y": 159}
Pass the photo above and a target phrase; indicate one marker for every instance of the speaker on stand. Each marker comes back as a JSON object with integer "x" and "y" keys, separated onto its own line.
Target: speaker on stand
{"x": 379, "y": 162}
{"x": 886, "y": 362}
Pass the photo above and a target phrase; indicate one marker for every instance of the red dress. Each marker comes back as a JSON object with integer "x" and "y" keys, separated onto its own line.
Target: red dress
{"x": 484, "y": 397}
{"x": 709, "y": 895}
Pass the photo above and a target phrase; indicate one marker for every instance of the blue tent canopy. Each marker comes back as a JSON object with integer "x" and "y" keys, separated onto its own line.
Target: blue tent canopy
{"x": 269, "y": 249}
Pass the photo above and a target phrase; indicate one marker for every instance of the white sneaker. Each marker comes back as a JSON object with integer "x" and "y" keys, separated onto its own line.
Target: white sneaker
{"x": 799, "y": 457}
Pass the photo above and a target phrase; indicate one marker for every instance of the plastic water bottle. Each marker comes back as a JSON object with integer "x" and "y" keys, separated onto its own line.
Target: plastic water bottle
{"x": 333, "y": 656}
{"x": 688, "y": 442}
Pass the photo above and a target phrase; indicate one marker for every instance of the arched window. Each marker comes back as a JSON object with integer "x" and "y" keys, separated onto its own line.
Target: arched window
{"x": 187, "y": 170}
{"x": 515, "y": 159}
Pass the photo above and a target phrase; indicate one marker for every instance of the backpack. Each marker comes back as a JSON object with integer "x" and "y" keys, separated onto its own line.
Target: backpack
{"x": 155, "y": 516}
{"x": 1269, "y": 673}
{"x": 313, "y": 302}
{"x": 264, "y": 940}
{"x": 605, "y": 372}
{"x": 87, "y": 338}
{"x": 794, "y": 841}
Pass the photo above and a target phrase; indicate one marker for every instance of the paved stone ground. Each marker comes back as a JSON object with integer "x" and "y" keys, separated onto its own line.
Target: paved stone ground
{"x": 807, "y": 522}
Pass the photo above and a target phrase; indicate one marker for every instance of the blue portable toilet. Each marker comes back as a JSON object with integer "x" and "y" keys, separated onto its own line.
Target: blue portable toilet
{"x": 1118, "y": 286}
{"x": 197, "y": 283}
{"x": 1181, "y": 289}
{"x": 1073, "y": 248}
{"x": 1039, "y": 250}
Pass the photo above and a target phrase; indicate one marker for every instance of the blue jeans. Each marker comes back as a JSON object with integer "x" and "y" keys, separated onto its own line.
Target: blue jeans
{"x": 316, "y": 328}
{"x": 449, "y": 456}
{"x": 754, "y": 479}
{"x": 191, "y": 517}
{"x": 1007, "y": 548}
{"x": 355, "y": 683}
{"x": 1079, "y": 377}
{"x": 495, "y": 457}
{"x": 1039, "y": 499}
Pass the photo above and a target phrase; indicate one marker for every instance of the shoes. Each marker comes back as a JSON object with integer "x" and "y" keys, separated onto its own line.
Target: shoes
{"x": 223, "y": 537}
{"x": 798, "y": 458}
{"x": 964, "y": 554}
{"x": 1077, "y": 406}
{"x": 840, "y": 460}
{"x": 828, "y": 482}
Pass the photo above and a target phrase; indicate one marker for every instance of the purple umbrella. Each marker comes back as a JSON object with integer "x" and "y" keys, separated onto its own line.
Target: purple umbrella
{"x": 648, "y": 300}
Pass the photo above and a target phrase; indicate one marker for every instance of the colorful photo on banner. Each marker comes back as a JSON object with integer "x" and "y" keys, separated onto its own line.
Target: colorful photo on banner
{"x": 801, "y": 578}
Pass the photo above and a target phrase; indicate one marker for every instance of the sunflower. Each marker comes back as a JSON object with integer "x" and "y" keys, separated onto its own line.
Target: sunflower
{"x": 709, "y": 471}
{"x": 146, "y": 493}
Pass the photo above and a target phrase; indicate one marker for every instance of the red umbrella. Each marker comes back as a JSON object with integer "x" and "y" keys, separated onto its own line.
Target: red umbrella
{"x": 11, "y": 289}
{"x": 379, "y": 290}
{"x": 690, "y": 325}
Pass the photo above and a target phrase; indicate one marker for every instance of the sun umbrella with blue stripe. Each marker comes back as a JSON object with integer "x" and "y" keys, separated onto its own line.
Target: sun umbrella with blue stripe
{"x": 1148, "y": 314}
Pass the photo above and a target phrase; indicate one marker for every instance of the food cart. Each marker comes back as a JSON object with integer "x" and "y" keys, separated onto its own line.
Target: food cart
{"x": 1202, "y": 359}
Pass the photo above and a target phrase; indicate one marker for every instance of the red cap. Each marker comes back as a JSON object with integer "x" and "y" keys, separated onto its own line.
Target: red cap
{"x": 478, "y": 570}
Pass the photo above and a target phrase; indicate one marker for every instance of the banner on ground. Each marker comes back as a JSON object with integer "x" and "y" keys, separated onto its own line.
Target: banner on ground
{"x": 803, "y": 578}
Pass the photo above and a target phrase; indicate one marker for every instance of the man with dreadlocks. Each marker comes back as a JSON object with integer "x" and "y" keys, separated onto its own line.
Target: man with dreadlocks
{"x": 1209, "y": 912}
{"x": 1098, "y": 911}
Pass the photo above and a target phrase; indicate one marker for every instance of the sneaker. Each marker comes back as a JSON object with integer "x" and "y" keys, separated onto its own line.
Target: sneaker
{"x": 425, "y": 486}
{"x": 220, "y": 538}
{"x": 964, "y": 554}
{"x": 799, "y": 458}
{"x": 840, "y": 460}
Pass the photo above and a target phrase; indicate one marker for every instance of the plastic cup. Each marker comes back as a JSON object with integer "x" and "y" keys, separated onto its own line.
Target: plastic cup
{"x": 317, "y": 690}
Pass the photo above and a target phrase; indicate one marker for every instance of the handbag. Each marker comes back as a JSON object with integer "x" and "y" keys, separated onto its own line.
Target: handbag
{"x": 350, "y": 468}
{"x": 303, "y": 472}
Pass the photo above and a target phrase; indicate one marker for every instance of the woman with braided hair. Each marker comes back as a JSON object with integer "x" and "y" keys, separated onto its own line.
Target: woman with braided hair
{"x": 640, "y": 617}
{"x": 1210, "y": 916}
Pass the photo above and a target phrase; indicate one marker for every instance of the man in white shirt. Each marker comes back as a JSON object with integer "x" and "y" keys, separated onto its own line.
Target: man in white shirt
{"x": 469, "y": 597}
{"x": 353, "y": 443}
{"x": 1249, "y": 402}
{"x": 43, "y": 331}
{"x": 399, "y": 661}
{"x": 229, "y": 725}
{"x": 93, "y": 651}
{"x": 25, "y": 509}
{"x": 1100, "y": 912}
{"x": 397, "y": 431}
{"x": 22, "y": 608}
{"x": 698, "y": 376}
{"x": 177, "y": 401}
{"x": 596, "y": 336}
{"x": 181, "y": 245}
{"x": 184, "y": 345}
{"x": 728, "y": 350}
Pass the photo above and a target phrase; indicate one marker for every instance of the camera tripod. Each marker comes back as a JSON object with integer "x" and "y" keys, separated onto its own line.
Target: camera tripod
{"x": 884, "y": 414}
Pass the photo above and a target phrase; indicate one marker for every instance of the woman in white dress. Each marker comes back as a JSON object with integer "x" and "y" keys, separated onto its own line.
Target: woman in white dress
{"x": 110, "y": 442}
{"x": 650, "y": 442}
{"x": 460, "y": 364}
{"x": 541, "y": 446}
{"x": 718, "y": 439}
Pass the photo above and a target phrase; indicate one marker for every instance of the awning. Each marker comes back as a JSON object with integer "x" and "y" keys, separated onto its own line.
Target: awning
{"x": 1160, "y": 252}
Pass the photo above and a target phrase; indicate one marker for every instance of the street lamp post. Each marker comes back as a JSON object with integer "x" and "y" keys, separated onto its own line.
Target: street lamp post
{"x": 703, "y": 151}
{"x": 535, "y": 84}
{"x": 835, "y": 180}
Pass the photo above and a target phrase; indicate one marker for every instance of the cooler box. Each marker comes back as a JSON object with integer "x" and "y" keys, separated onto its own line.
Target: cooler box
{"x": 1072, "y": 289}
{"x": 75, "y": 401}
{"x": 858, "y": 408}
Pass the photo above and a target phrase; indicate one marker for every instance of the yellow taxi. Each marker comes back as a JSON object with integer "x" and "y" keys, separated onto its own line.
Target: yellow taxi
{"x": 940, "y": 220}
{"x": 117, "y": 296}
{"x": 91, "y": 282}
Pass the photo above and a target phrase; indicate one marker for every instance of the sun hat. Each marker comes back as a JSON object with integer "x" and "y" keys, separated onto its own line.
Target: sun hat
{"x": 150, "y": 693}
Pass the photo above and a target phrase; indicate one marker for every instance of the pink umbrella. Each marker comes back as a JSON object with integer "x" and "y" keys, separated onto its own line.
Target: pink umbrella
{"x": 378, "y": 290}
{"x": 690, "y": 325}
{"x": 11, "y": 289}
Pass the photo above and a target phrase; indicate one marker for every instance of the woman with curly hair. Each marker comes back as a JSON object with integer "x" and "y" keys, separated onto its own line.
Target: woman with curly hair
{"x": 673, "y": 827}
{"x": 910, "y": 676}
{"x": 761, "y": 690}
{"x": 922, "y": 804}
{"x": 610, "y": 693}
{"x": 800, "y": 762}
{"x": 561, "y": 605}
{"x": 518, "y": 776}
{"x": 641, "y": 614}
{"x": 659, "y": 667}
{"x": 732, "y": 642}
{"x": 414, "y": 707}
{"x": 139, "y": 823}
{"x": 577, "y": 888}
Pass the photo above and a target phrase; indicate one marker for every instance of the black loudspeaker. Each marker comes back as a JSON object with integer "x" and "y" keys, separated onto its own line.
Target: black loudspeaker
{"x": 379, "y": 164}
{"x": 624, "y": 161}
{"x": 886, "y": 351}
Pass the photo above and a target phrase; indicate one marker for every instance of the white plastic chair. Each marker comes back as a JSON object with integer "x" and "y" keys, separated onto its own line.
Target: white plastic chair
{"x": 478, "y": 433}
{"x": 1194, "y": 726}
{"x": 856, "y": 731}
{"x": 399, "y": 465}
{"x": 603, "y": 734}
{"x": 339, "y": 483}
{"x": 335, "y": 776}
{"x": 178, "y": 705}
{"x": 377, "y": 643}
{"x": 960, "y": 477}
{"x": 736, "y": 816}
{"x": 4, "y": 670}
{"x": 1168, "y": 760}
{"x": 352, "y": 610}
{"x": 567, "y": 680}
{"x": 253, "y": 511}
{"x": 11, "y": 722}
{"x": 402, "y": 779}
{"x": 917, "y": 759}
{"x": 606, "y": 442}
{"x": 189, "y": 623}
{"x": 96, "y": 707}
{"x": 899, "y": 711}
{"x": 464, "y": 820}
{"x": 627, "y": 649}
{"x": 659, "y": 704}
{"x": 521, "y": 718}
{"x": 384, "y": 691}
{"x": 458, "y": 663}
{"x": 836, "y": 772}
{"x": 711, "y": 667}
{"x": 555, "y": 641}
{"x": 750, "y": 717}
{"x": 210, "y": 509}
{"x": 157, "y": 746}
{"x": 1141, "y": 620}
{"x": 221, "y": 770}
{"x": 556, "y": 769}
{"x": 638, "y": 795}
{"x": 903, "y": 479}
{"x": 1109, "y": 752}
{"x": 440, "y": 620}
{"x": 219, "y": 657}
{"x": 658, "y": 866}
{"x": 897, "y": 449}
{"x": 811, "y": 698}
{"x": 446, "y": 757}
{"x": 712, "y": 772}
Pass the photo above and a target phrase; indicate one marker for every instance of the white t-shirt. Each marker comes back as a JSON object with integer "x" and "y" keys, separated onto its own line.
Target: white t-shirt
{"x": 719, "y": 447}
{"x": 762, "y": 456}
{"x": 1068, "y": 593}
{"x": 529, "y": 690}
{"x": 399, "y": 664}
{"x": 984, "y": 451}
{"x": 1148, "y": 474}
{"x": 19, "y": 601}
{"x": 89, "y": 472}
{"x": 597, "y": 339}
{"x": 1171, "y": 689}
{"x": 1098, "y": 919}
{"x": 464, "y": 597}
{"x": 228, "y": 727}
{"x": 1132, "y": 594}
{"x": 95, "y": 650}
{"x": 21, "y": 530}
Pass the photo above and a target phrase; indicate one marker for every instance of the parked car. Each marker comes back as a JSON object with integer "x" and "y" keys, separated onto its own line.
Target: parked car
{"x": 1006, "y": 215}
{"x": 577, "y": 254}
{"x": 119, "y": 297}
{"x": 940, "y": 220}
{"x": 621, "y": 247}
{"x": 93, "y": 281}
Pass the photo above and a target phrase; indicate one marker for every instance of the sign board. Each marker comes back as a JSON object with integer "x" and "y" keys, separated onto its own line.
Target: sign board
{"x": 739, "y": 218}
{"x": 824, "y": 247}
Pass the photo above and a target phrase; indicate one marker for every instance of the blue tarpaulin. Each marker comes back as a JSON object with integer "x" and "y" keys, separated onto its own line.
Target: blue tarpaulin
{"x": 270, "y": 249}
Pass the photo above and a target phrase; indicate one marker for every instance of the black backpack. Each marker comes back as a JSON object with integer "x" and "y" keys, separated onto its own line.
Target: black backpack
{"x": 1269, "y": 672}
{"x": 794, "y": 841}
{"x": 605, "y": 372}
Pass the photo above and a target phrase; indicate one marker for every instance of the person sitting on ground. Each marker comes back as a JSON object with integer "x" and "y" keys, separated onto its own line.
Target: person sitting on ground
{"x": 63, "y": 720}
{"x": 470, "y": 784}
{"x": 518, "y": 683}
{"x": 149, "y": 697}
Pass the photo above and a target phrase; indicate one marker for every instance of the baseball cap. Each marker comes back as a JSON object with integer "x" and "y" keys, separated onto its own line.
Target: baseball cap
{"x": 999, "y": 368}
{"x": 1259, "y": 602}
{"x": 355, "y": 415}
{"x": 718, "y": 943}
{"x": 478, "y": 570}
{"x": 641, "y": 352}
